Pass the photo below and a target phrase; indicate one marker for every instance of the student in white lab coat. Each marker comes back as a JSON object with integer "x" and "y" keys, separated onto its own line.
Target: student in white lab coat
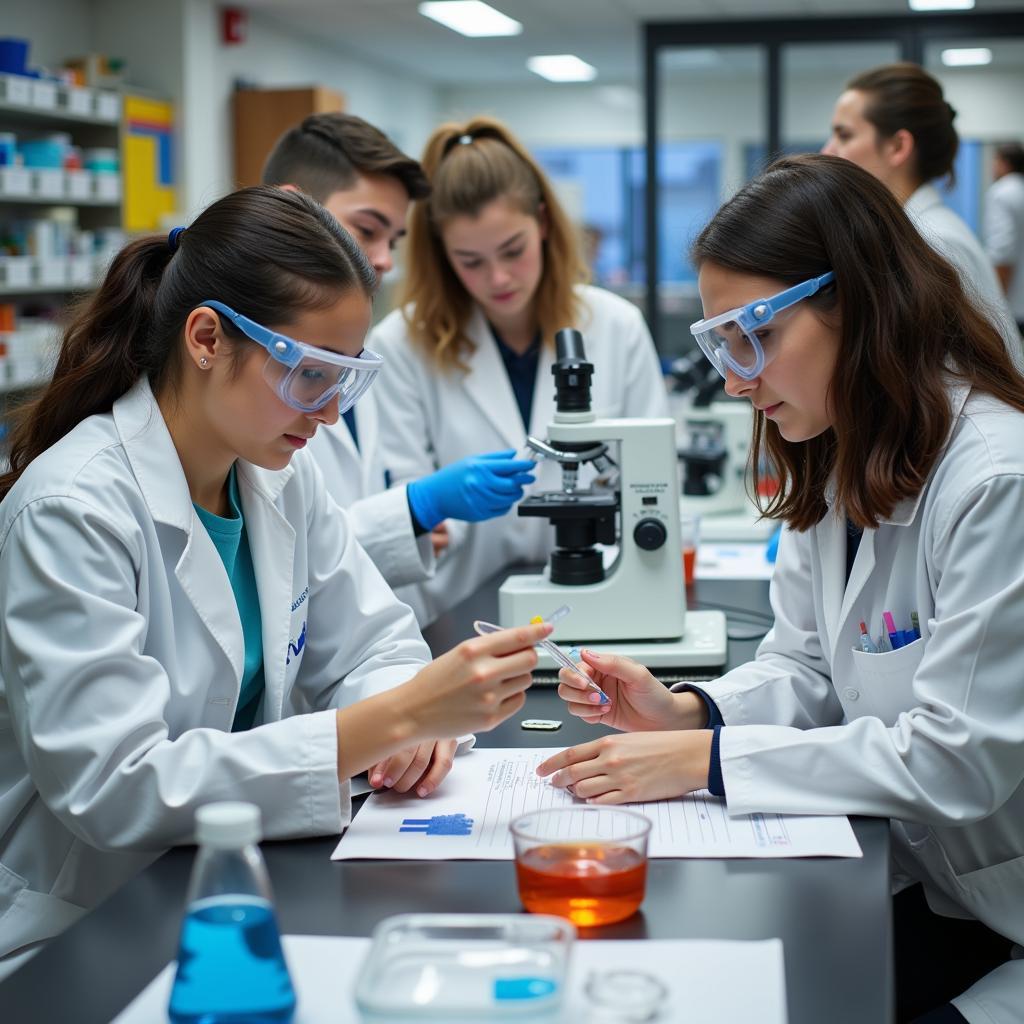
{"x": 894, "y": 122}
{"x": 367, "y": 182}
{"x": 185, "y": 615}
{"x": 494, "y": 271}
{"x": 895, "y": 418}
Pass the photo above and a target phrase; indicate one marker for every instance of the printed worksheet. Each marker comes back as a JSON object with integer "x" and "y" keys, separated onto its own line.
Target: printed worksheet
{"x": 467, "y": 819}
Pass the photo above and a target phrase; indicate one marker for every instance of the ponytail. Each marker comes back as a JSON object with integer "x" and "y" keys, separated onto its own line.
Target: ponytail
{"x": 471, "y": 165}
{"x": 905, "y": 96}
{"x": 267, "y": 253}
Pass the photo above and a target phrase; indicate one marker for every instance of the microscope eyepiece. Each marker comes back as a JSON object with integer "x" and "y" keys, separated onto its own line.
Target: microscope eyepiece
{"x": 572, "y": 372}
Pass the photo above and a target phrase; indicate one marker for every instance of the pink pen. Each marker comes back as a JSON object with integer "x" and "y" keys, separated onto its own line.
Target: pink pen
{"x": 890, "y": 625}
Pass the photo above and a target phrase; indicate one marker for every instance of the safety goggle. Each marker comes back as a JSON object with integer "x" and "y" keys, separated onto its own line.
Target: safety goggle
{"x": 304, "y": 376}
{"x": 730, "y": 340}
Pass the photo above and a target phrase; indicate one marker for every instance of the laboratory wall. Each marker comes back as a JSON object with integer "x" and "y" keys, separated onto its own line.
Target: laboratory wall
{"x": 274, "y": 55}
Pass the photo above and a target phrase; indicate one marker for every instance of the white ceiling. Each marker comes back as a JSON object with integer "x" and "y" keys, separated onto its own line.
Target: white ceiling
{"x": 605, "y": 33}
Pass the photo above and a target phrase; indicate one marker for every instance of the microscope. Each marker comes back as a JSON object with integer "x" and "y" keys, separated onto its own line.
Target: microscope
{"x": 617, "y": 561}
{"x": 714, "y": 449}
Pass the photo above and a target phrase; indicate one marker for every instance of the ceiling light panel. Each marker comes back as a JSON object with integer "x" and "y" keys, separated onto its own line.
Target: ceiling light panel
{"x": 471, "y": 18}
{"x": 562, "y": 67}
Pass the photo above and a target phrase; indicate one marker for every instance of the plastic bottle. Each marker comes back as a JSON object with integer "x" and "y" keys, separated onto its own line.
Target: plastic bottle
{"x": 231, "y": 967}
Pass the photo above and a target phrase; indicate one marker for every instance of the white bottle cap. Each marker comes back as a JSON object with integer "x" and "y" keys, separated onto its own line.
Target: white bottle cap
{"x": 228, "y": 824}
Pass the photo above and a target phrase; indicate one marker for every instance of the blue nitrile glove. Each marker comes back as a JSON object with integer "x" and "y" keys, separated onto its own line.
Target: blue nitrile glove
{"x": 477, "y": 487}
{"x": 773, "y": 545}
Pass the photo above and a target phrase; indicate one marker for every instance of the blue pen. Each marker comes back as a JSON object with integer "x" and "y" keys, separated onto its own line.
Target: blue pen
{"x": 916, "y": 623}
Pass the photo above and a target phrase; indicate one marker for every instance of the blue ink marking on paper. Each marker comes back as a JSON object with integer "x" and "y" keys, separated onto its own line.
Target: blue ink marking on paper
{"x": 439, "y": 825}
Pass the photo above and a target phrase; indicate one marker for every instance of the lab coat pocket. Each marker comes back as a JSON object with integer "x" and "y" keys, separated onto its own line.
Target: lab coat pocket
{"x": 26, "y": 916}
{"x": 996, "y": 895}
{"x": 887, "y": 680}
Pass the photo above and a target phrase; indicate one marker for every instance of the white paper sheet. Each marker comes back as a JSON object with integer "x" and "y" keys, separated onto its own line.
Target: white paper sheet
{"x": 467, "y": 819}
{"x": 733, "y": 561}
{"x": 700, "y": 976}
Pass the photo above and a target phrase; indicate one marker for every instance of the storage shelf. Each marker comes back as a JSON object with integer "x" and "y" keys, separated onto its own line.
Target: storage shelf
{"x": 46, "y": 289}
{"x": 7, "y": 388}
{"x": 15, "y": 114}
{"x": 58, "y": 201}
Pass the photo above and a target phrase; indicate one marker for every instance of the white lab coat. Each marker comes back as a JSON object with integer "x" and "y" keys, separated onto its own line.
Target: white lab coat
{"x": 430, "y": 418}
{"x": 945, "y": 231}
{"x": 121, "y": 656}
{"x": 380, "y": 517}
{"x": 1004, "y": 234}
{"x": 930, "y": 735}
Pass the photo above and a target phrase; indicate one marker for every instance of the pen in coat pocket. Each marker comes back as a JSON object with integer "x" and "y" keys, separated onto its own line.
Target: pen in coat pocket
{"x": 867, "y": 645}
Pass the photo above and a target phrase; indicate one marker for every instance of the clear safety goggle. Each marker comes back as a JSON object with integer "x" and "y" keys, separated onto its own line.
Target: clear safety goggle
{"x": 304, "y": 376}
{"x": 730, "y": 339}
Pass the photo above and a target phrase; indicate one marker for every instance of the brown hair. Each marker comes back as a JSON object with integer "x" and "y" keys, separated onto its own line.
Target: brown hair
{"x": 471, "y": 165}
{"x": 1012, "y": 153}
{"x": 267, "y": 253}
{"x": 324, "y": 153}
{"x": 904, "y": 95}
{"x": 905, "y": 327}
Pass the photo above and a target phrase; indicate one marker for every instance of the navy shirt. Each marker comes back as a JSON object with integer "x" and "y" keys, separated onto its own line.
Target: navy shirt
{"x": 522, "y": 373}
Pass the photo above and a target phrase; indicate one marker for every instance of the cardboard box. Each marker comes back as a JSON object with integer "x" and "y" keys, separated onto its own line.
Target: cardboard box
{"x": 262, "y": 116}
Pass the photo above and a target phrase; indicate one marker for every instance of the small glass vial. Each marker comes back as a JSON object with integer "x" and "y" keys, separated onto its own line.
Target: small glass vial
{"x": 231, "y": 967}
{"x": 624, "y": 997}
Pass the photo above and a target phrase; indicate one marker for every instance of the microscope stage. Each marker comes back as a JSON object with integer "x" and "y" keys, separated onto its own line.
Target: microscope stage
{"x": 703, "y": 644}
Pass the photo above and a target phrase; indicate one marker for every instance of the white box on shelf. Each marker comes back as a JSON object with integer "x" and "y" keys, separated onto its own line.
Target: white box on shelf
{"x": 44, "y": 94}
{"x": 48, "y": 183}
{"x": 107, "y": 186}
{"x": 15, "y": 271}
{"x": 52, "y": 272}
{"x": 76, "y": 99}
{"x": 107, "y": 105}
{"x": 15, "y": 181}
{"x": 16, "y": 89}
{"x": 81, "y": 271}
{"x": 78, "y": 184}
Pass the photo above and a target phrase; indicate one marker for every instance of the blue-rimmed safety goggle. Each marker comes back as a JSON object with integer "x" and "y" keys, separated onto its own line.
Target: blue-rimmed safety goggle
{"x": 730, "y": 339}
{"x": 304, "y": 376}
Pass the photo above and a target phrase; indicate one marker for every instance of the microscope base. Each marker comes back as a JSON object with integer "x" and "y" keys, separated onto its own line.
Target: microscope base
{"x": 704, "y": 644}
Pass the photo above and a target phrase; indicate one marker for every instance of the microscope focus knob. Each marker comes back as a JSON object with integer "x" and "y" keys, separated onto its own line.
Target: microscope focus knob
{"x": 650, "y": 534}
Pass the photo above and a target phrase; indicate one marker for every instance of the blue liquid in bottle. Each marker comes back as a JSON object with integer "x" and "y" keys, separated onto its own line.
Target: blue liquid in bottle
{"x": 231, "y": 968}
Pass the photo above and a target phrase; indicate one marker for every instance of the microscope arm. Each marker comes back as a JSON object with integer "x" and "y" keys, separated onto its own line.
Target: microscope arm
{"x": 546, "y": 451}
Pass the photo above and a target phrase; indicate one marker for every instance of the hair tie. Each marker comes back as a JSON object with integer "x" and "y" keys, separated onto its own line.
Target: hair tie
{"x": 173, "y": 239}
{"x": 465, "y": 140}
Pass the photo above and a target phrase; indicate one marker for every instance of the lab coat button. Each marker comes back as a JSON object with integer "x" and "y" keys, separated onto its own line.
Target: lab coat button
{"x": 850, "y": 693}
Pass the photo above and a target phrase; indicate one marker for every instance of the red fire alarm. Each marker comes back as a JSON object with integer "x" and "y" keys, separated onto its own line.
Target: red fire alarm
{"x": 234, "y": 21}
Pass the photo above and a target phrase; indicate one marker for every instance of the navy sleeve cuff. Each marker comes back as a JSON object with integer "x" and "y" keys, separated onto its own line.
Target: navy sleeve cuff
{"x": 715, "y": 781}
{"x": 714, "y": 715}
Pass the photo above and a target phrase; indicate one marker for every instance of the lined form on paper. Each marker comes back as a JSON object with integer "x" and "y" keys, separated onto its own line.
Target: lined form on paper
{"x": 467, "y": 818}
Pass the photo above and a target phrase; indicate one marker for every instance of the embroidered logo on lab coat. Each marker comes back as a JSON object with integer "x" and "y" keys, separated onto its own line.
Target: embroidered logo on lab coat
{"x": 295, "y": 646}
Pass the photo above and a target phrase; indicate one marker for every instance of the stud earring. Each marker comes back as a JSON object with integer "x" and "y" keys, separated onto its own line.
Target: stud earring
{"x": 204, "y": 362}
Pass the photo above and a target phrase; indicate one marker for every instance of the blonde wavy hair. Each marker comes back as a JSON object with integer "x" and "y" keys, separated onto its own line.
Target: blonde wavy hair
{"x": 469, "y": 166}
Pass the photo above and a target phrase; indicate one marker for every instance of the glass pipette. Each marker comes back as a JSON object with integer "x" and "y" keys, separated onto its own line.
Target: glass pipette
{"x": 553, "y": 649}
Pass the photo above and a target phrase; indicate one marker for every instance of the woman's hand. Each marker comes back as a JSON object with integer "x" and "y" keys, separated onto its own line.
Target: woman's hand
{"x": 439, "y": 538}
{"x": 637, "y": 701}
{"x": 421, "y": 768}
{"x": 633, "y": 767}
{"x": 474, "y": 686}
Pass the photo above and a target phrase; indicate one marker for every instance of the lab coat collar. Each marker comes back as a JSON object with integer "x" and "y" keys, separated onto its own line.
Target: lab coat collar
{"x": 905, "y": 511}
{"x": 923, "y": 199}
{"x": 155, "y": 463}
{"x": 153, "y": 457}
{"x": 487, "y": 384}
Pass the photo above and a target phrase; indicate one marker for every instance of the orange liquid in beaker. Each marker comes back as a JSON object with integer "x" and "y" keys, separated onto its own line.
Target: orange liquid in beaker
{"x": 590, "y": 885}
{"x": 689, "y": 564}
